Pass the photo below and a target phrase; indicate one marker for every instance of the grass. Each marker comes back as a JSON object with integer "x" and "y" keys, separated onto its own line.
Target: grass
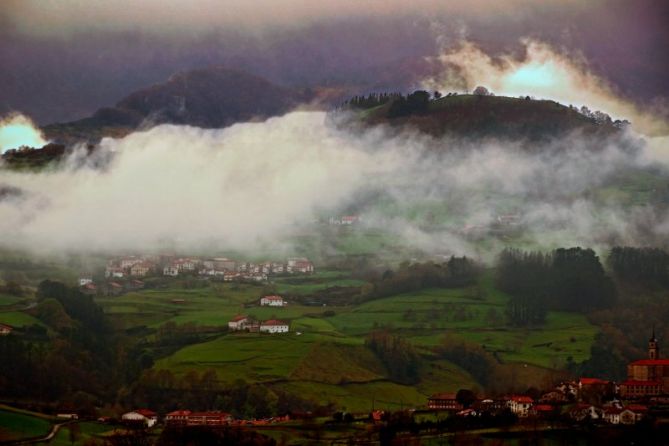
{"x": 18, "y": 319}
{"x": 15, "y": 425}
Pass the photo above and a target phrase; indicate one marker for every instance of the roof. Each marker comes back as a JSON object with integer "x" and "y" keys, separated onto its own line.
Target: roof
{"x": 146, "y": 412}
{"x": 651, "y": 362}
{"x": 273, "y": 297}
{"x": 179, "y": 413}
{"x": 115, "y": 285}
{"x": 521, "y": 399}
{"x": 239, "y": 317}
{"x": 543, "y": 408}
{"x": 5, "y": 326}
{"x": 591, "y": 381}
{"x": 443, "y": 396}
{"x": 612, "y": 411}
{"x": 636, "y": 408}
{"x": 273, "y": 322}
{"x": 633, "y": 382}
{"x": 210, "y": 414}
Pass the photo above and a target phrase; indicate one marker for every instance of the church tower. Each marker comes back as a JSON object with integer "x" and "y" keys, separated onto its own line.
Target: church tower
{"x": 653, "y": 347}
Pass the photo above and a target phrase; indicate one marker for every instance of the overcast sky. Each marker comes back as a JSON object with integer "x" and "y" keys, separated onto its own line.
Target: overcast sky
{"x": 64, "y": 59}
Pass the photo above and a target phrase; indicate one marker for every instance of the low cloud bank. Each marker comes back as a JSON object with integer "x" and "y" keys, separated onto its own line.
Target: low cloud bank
{"x": 255, "y": 184}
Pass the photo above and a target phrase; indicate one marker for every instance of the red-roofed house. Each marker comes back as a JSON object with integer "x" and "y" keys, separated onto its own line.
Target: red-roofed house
{"x": 647, "y": 377}
{"x": 237, "y": 323}
{"x": 443, "y": 401}
{"x": 5, "y": 330}
{"x": 520, "y": 405}
{"x": 208, "y": 418}
{"x": 274, "y": 326}
{"x": 146, "y": 416}
{"x": 177, "y": 418}
{"x": 633, "y": 413}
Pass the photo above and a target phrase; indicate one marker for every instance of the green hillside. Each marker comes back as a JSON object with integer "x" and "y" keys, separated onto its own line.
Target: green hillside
{"x": 479, "y": 116}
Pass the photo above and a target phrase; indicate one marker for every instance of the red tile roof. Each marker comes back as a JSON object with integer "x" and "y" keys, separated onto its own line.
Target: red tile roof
{"x": 636, "y": 408}
{"x": 146, "y": 412}
{"x": 239, "y": 317}
{"x": 179, "y": 413}
{"x": 521, "y": 399}
{"x": 273, "y": 298}
{"x": 591, "y": 381}
{"x": 651, "y": 362}
{"x": 274, "y": 322}
{"x": 543, "y": 408}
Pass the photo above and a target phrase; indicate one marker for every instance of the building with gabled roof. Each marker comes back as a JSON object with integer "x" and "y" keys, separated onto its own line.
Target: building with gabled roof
{"x": 5, "y": 329}
{"x": 274, "y": 326}
{"x": 145, "y": 416}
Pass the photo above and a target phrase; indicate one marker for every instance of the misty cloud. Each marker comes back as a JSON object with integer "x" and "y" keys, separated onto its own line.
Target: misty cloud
{"x": 256, "y": 184}
{"x": 544, "y": 72}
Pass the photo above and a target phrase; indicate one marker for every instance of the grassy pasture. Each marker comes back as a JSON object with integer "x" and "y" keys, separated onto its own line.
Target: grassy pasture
{"x": 15, "y": 425}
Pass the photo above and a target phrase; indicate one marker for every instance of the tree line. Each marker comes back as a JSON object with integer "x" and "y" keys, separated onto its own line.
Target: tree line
{"x": 566, "y": 279}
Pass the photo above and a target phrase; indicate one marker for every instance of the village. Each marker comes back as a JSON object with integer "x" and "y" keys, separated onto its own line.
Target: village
{"x": 127, "y": 273}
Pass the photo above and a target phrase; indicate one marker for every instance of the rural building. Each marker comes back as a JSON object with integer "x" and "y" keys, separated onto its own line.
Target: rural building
{"x": 647, "y": 377}
{"x": 612, "y": 415}
{"x": 274, "y": 326}
{"x": 224, "y": 264}
{"x": 171, "y": 270}
{"x": 115, "y": 272}
{"x": 520, "y": 405}
{"x": 134, "y": 284}
{"x": 208, "y": 419}
{"x": 89, "y": 289}
{"x": 185, "y": 264}
{"x": 85, "y": 280}
{"x": 272, "y": 301}
{"x": 238, "y": 323}
{"x": 146, "y": 416}
{"x": 113, "y": 289}
{"x": 443, "y": 401}
{"x": 129, "y": 262}
{"x": 299, "y": 265}
{"x": 177, "y": 418}
{"x": 140, "y": 269}
{"x": 5, "y": 330}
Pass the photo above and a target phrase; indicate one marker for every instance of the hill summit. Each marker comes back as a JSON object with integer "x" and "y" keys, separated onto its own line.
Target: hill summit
{"x": 479, "y": 116}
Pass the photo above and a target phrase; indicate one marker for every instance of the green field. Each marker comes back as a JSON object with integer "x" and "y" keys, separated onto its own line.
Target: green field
{"x": 15, "y": 425}
{"x": 324, "y": 357}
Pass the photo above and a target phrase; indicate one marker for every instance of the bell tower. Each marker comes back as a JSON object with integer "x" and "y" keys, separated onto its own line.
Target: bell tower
{"x": 653, "y": 347}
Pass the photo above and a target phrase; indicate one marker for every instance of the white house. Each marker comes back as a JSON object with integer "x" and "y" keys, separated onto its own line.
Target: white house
{"x": 128, "y": 262}
{"x": 274, "y": 326}
{"x": 171, "y": 271}
{"x": 272, "y": 301}
{"x": 85, "y": 280}
{"x": 520, "y": 405}
{"x": 299, "y": 265}
{"x": 238, "y": 323}
{"x": 115, "y": 272}
{"x": 149, "y": 417}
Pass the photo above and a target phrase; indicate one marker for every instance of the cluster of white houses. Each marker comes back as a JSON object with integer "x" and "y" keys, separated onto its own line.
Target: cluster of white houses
{"x": 149, "y": 418}
{"x": 228, "y": 269}
{"x": 244, "y": 323}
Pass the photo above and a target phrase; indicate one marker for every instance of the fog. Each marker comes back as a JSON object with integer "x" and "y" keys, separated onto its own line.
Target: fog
{"x": 259, "y": 184}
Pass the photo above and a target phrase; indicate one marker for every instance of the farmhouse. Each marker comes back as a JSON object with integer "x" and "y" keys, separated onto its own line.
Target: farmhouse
{"x": 274, "y": 326}
{"x": 520, "y": 405}
{"x": 299, "y": 265}
{"x": 177, "y": 418}
{"x": 647, "y": 377}
{"x": 238, "y": 323}
{"x": 5, "y": 330}
{"x": 171, "y": 270}
{"x": 140, "y": 269}
{"x": 89, "y": 289}
{"x": 443, "y": 401}
{"x": 272, "y": 301}
{"x": 146, "y": 416}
